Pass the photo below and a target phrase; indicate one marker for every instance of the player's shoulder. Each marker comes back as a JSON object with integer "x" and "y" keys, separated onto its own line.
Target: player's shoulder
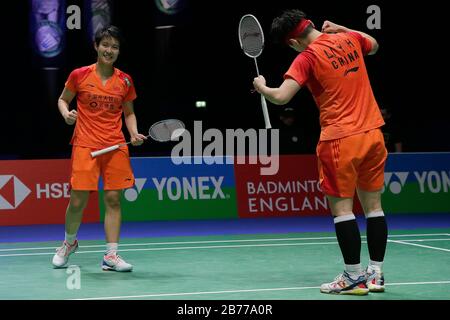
{"x": 82, "y": 72}
{"x": 309, "y": 54}
{"x": 316, "y": 47}
{"x": 351, "y": 35}
{"x": 325, "y": 38}
{"x": 123, "y": 76}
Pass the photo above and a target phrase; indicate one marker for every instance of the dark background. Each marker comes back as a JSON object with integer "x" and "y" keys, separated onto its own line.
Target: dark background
{"x": 200, "y": 59}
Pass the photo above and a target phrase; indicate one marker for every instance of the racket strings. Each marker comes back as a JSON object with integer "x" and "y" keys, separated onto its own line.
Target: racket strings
{"x": 163, "y": 131}
{"x": 251, "y": 35}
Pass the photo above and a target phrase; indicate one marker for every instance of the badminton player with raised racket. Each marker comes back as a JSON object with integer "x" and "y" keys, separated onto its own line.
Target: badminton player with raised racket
{"x": 103, "y": 93}
{"x": 351, "y": 151}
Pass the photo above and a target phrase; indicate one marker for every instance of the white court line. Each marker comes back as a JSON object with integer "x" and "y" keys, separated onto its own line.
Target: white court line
{"x": 178, "y": 242}
{"x": 208, "y": 247}
{"x": 223, "y": 241}
{"x": 246, "y": 290}
{"x": 178, "y": 248}
{"x": 419, "y": 245}
{"x": 424, "y": 240}
{"x": 419, "y": 234}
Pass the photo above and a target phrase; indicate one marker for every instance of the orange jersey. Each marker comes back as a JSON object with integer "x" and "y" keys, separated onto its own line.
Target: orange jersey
{"x": 99, "y": 107}
{"x": 333, "y": 69}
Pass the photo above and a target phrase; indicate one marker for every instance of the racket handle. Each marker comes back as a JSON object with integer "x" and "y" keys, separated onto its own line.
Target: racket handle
{"x": 105, "y": 150}
{"x": 265, "y": 112}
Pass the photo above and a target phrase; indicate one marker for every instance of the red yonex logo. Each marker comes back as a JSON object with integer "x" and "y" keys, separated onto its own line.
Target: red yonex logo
{"x": 12, "y": 192}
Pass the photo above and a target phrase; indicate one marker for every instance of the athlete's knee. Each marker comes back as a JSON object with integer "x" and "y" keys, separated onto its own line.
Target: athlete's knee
{"x": 77, "y": 205}
{"x": 340, "y": 206}
{"x": 370, "y": 201}
{"x": 112, "y": 199}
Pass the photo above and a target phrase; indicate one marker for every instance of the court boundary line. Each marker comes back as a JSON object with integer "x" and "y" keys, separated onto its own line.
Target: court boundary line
{"x": 177, "y": 248}
{"x": 205, "y": 247}
{"x": 222, "y": 241}
{"x": 419, "y": 245}
{"x": 243, "y": 290}
{"x": 212, "y": 247}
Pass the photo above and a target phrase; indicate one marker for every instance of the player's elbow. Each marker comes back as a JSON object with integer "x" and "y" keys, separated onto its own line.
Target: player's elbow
{"x": 279, "y": 102}
{"x": 282, "y": 102}
{"x": 375, "y": 47}
{"x": 280, "y": 99}
{"x": 62, "y": 101}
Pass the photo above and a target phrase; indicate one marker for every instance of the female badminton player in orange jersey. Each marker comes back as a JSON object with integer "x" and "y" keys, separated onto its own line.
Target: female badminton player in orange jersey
{"x": 351, "y": 151}
{"x": 103, "y": 94}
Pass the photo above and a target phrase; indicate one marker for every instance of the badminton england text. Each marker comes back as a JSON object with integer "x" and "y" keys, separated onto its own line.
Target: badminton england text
{"x": 260, "y": 144}
{"x": 227, "y": 309}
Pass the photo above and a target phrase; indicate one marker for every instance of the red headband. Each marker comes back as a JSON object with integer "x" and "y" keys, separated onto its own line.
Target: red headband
{"x": 298, "y": 30}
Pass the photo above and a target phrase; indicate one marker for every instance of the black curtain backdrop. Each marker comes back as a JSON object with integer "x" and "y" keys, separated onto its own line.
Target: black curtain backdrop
{"x": 199, "y": 58}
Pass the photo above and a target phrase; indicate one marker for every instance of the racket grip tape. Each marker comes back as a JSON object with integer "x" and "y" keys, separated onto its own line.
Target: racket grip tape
{"x": 103, "y": 151}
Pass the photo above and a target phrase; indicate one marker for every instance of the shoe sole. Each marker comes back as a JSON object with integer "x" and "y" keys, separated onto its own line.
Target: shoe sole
{"x": 107, "y": 268}
{"x": 354, "y": 292}
{"x": 376, "y": 289}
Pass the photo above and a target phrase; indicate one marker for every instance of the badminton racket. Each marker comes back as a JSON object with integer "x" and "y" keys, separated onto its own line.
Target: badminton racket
{"x": 251, "y": 39}
{"x": 161, "y": 131}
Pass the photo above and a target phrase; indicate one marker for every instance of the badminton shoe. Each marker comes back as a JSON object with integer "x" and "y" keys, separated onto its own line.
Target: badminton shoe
{"x": 375, "y": 280}
{"x": 113, "y": 262}
{"x": 61, "y": 257}
{"x": 344, "y": 284}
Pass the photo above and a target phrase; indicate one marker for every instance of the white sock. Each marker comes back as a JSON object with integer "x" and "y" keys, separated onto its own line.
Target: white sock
{"x": 374, "y": 266}
{"x": 374, "y": 214}
{"x": 111, "y": 248}
{"x": 354, "y": 270}
{"x": 70, "y": 238}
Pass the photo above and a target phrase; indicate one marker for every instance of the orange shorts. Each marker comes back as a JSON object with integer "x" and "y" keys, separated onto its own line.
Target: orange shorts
{"x": 114, "y": 168}
{"x": 352, "y": 162}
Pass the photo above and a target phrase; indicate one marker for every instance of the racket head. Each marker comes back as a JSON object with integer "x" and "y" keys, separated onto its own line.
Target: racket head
{"x": 251, "y": 36}
{"x": 166, "y": 130}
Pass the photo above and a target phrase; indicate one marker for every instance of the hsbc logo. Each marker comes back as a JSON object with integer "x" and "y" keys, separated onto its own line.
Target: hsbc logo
{"x": 12, "y": 192}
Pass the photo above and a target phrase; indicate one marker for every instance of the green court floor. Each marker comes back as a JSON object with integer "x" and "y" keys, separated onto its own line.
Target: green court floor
{"x": 255, "y": 267}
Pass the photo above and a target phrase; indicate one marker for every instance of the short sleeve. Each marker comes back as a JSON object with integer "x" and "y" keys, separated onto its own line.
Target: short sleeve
{"x": 72, "y": 81}
{"x": 301, "y": 68}
{"x": 131, "y": 92}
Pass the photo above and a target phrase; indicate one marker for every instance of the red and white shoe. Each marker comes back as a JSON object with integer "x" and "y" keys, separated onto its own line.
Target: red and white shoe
{"x": 375, "y": 280}
{"x": 61, "y": 257}
{"x": 344, "y": 284}
{"x": 114, "y": 262}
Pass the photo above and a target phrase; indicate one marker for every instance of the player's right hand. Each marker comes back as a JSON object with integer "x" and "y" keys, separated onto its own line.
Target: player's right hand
{"x": 258, "y": 83}
{"x": 70, "y": 117}
{"x": 138, "y": 139}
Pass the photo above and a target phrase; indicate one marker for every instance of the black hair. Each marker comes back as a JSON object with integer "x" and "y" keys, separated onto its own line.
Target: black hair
{"x": 109, "y": 32}
{"x": 286, "y": 23}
